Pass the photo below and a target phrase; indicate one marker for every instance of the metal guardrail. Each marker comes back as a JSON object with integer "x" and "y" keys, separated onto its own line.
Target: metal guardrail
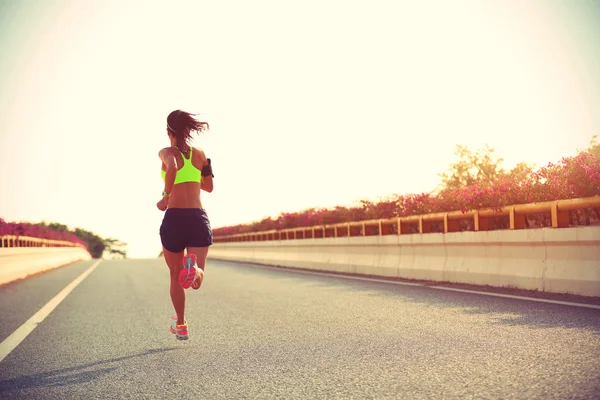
{"x": 559, "y": 212}
{"x": 28, "y": 241}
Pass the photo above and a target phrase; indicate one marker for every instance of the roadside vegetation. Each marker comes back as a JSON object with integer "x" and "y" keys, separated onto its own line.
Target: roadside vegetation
{"x": 96, "y": 245}
{"x": 476, "y": 180}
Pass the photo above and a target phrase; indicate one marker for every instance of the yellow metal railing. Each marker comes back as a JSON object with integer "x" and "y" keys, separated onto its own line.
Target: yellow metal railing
{"x": 559, "y": 212}
{"x": 27, "y": 241}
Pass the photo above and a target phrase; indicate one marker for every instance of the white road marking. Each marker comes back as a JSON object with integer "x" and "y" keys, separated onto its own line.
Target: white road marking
{"x": 11, "y": 342}
{"x": 359, "y": 278}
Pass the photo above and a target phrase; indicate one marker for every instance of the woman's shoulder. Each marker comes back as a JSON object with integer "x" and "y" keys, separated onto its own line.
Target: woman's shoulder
{"x": 166, "y": 151}
{"x": 199, "y": 153}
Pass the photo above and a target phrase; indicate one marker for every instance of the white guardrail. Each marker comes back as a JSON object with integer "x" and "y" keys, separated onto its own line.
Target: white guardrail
{"x": 547, "y": 259}
{"x": 21, "y": 257}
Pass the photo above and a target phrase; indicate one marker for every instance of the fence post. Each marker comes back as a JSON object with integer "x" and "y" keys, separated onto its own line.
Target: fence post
{"x": 424, "y": 226}
{"x": 560, "y": 218}
{"x": 517, "y": 221}
{"x": 480, "y": 223}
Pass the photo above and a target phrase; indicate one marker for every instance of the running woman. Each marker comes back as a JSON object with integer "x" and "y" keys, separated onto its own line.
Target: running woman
{"x": 185, "y": 226}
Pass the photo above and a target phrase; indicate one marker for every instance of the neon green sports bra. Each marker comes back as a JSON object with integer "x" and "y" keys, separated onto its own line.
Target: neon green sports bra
{"x": 187, "y": 173}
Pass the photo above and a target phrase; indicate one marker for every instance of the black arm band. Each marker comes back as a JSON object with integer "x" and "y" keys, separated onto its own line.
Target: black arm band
{"x": 207, "y": 169}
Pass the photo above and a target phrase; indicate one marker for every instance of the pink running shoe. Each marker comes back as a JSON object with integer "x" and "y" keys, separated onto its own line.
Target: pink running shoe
{"x": 180, "y": 331}
{"x": 196, "y": 283}
{"x": 189, "y": 272}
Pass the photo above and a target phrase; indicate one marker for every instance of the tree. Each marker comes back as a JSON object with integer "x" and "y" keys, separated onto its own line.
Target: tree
{"x": 56, "y": 226}
{"x": 115, "y": 247}
{"x": 471, "y": 167}
{"x": 95, "y": 243}
{"x": 594, "y": 148}
{"x": 99, "y": 247}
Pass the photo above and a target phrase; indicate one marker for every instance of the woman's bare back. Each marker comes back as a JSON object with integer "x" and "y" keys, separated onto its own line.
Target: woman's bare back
{"x": 186, "y": 194}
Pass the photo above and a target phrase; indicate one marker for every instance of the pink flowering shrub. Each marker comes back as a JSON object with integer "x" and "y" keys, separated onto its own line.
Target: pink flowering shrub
{"x": 571, "y": 177}
{"x": 36, "y": 230}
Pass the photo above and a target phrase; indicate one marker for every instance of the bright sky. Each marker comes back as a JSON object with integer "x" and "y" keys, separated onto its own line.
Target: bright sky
{"x": 311, "y": 103}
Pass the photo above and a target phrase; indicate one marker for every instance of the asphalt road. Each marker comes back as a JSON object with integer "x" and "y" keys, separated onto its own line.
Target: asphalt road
{"x": 263, "y": 333}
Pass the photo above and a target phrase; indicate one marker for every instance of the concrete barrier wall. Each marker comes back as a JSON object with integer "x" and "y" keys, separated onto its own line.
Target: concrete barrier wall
{"x": 548, "y": 259}
{"x": 20, "y": 262}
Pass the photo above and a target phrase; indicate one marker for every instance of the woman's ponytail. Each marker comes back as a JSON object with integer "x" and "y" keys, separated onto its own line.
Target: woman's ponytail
{"x": 181, "y": 124}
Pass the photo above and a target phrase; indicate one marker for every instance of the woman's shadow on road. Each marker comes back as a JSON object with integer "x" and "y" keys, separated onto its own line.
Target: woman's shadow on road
{"x": 63, "y": 377}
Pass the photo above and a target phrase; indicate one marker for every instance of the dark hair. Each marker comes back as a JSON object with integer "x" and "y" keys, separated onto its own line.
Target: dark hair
{"x": 181, "y": 124}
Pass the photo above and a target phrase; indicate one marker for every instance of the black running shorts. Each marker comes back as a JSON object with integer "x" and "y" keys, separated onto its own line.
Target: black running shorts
{"x": 185, "y": 227}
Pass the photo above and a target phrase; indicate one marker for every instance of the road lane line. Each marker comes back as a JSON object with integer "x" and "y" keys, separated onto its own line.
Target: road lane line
{"x": 512, "y": 296}
{"x": 360, "y": 278}
{"x": 11, "y": 342}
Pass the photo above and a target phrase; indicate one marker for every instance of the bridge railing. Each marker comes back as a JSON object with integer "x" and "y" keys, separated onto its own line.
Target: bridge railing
{"x": 559, "y": 214}
{"x": 28, "y": 241}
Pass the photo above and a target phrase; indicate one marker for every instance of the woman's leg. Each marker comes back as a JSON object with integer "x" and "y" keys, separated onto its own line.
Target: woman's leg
{"x": 177, "y": 292}
{"x": 201, "y": 254}
{"x": 199, "y": 243}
